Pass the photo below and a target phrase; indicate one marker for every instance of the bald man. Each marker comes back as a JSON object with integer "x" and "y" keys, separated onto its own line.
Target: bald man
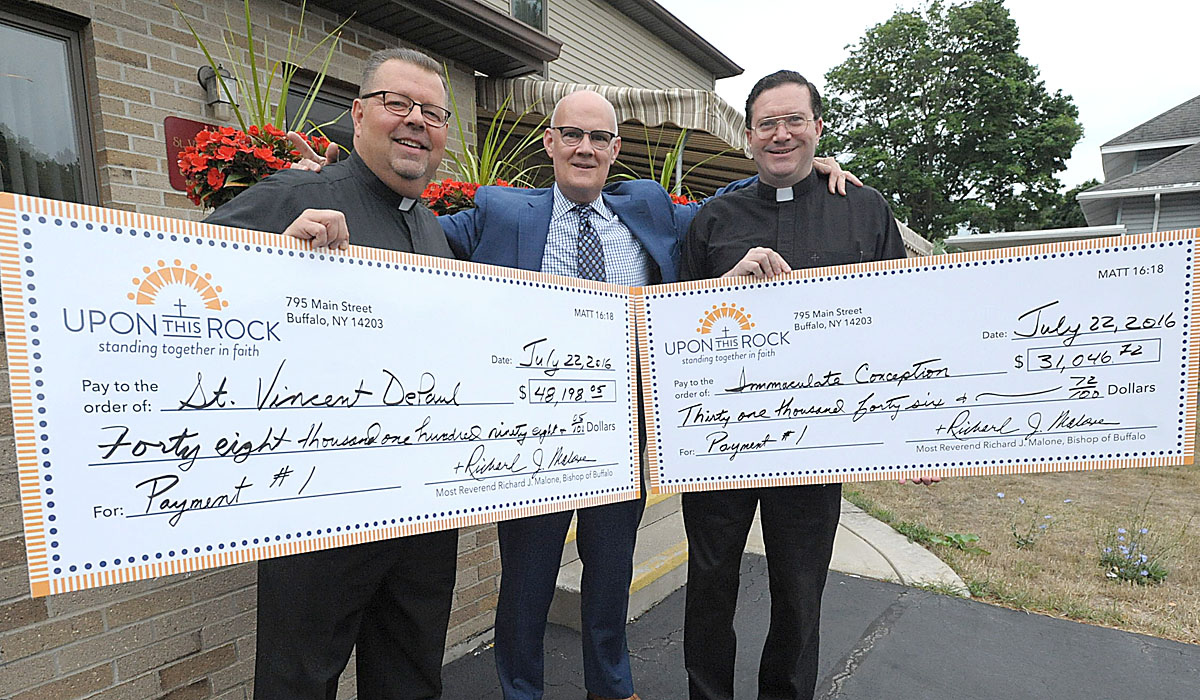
{"x": 626, "y": 233}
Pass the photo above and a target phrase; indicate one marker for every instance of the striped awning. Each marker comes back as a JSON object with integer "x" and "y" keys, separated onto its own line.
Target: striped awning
{"x": 695, "y": 110}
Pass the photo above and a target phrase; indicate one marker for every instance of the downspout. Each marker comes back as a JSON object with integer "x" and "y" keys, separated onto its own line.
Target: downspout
{"x": 1157, "y": 207}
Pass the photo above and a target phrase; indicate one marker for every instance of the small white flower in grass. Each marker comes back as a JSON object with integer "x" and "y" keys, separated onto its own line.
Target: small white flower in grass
{"x": 1144, "y": 572}
{"x": 1021, "y": 501}
{"x": 1144, "y": 530}
{"x": 1000, "y": 494}
{"x": 1067, "y": 500}
{"x": 1049, "y": 517}
{"x": 1120, "y": 531}
{"x": 1144, "y": 558}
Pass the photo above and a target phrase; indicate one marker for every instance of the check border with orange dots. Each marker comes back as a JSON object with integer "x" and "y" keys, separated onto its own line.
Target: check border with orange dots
{"x": 1056, "y": 357}
{"x": 188, "y": 395}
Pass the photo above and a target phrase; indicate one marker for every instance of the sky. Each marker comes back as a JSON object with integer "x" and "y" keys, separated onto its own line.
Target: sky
{"x": 1122, "y": 62}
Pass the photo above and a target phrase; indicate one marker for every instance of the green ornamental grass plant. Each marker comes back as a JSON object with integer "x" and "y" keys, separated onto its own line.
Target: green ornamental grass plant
{"x": 258, "y": 77}
{"x": 501, "y": 154}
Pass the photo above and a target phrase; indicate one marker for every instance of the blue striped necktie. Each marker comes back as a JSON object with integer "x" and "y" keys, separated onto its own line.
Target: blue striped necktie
{"x": 589, "y": 258}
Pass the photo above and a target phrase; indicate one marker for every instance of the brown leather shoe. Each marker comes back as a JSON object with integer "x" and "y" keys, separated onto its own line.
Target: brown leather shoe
{"x": 593, "y": 696}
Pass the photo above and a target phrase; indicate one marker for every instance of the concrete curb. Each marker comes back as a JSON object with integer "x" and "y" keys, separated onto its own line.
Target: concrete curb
{"x": 865, "y": 541}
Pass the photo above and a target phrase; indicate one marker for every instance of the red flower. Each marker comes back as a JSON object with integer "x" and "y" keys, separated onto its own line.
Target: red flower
{"x": 216, "y": 178}
{"x": 225, "y": 154}
{"x": 432, "y": 191}
{"x": 451, "y": 196}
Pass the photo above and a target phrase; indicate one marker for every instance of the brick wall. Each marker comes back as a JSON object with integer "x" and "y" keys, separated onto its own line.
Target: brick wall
{"x": 190, "y": 636}
{"x": 140, "y": 64}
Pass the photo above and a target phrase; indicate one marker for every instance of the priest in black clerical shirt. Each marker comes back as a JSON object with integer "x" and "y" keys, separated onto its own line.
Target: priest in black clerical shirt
{"x": 787, "y": 220}
{"x": 387, "y": 600}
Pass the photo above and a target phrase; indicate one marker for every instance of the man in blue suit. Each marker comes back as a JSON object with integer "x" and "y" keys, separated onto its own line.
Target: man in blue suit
{"x": 638, "y": 229}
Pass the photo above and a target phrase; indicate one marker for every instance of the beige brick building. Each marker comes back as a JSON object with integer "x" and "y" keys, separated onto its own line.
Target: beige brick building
{"x": 86, "y": 89}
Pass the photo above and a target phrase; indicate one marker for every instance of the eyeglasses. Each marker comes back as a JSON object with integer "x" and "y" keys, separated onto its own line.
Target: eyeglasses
{"x": 402, "y": 106}
{"x": 796, "y": 124}
{"x": 573, "y": 136}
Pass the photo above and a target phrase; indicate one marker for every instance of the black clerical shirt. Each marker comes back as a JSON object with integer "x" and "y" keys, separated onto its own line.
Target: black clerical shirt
{"x": 376, "y": 215}
{"x": 805, "y": 224}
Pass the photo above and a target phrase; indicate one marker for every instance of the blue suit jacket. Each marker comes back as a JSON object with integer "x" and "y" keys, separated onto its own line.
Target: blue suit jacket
{"x": 509, "y": 226}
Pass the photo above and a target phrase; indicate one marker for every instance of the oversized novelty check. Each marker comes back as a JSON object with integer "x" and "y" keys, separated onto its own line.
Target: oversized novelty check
{"x": 1057, "y": 357}
{"x": 186, "y": 396}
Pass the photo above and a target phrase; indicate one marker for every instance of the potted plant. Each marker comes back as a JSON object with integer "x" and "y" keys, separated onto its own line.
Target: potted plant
{"x": 226, "y": 160}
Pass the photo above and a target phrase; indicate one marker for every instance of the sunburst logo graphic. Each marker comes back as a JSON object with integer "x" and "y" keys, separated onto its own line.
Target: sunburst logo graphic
{"x": 156, "y": 279}
{"x": 736, "y": 314}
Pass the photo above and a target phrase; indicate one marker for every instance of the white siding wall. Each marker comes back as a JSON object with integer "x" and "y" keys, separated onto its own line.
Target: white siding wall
{"x": 1147, "y": 158}
{"x": 1179, "y": 211}
{"x": 601, "y": 45}
{"x": 1137, "y": 213}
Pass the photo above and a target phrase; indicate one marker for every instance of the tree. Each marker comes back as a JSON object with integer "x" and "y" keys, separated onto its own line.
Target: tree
{"x": 1066, "y": 212}
{"x": 949, "y": 121}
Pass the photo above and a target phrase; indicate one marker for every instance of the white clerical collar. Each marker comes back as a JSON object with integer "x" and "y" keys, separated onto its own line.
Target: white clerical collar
{"x": 406, "y": 203}
{"x": 784, "y": 194}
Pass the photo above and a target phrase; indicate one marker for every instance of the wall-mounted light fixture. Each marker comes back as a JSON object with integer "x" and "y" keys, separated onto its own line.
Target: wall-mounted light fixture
{"x": 214, "y": 94}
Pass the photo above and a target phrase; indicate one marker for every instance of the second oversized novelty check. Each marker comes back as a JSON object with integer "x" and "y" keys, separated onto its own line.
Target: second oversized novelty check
{"x": 1056, "y": 357}
{"x": 186, "y": 395}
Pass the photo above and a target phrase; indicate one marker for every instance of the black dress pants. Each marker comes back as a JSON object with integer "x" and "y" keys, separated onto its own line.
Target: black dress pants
{"x": 391, "y": 599}
{"x": 798, "y": 524}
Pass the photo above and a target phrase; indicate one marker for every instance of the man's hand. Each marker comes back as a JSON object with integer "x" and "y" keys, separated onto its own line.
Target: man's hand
{"x": 760, "y": 262}
{"x": 326, "y": 228}
{"x": 827, "y": 166}
{"x": 923, "y": 480}
{"x": 309, "y": 160}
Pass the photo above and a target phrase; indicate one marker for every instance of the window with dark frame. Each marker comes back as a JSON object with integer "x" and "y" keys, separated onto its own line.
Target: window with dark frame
{"x": 45, "y": 137}
{"x": 531, "y": 12}
{"x": 330, "y": 110}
